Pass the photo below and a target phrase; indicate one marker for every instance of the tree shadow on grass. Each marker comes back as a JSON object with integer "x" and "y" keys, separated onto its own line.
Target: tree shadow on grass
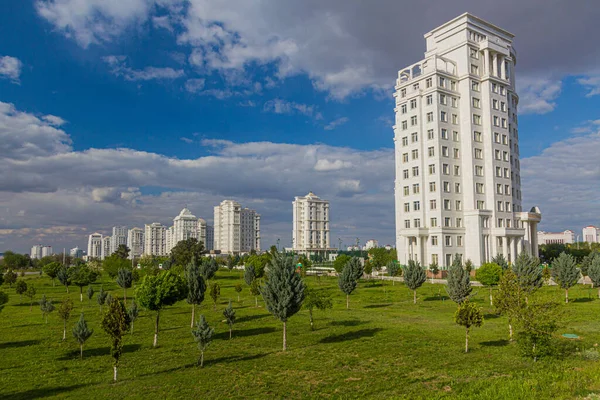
{"x": 490, "y": 316}
{"x": 362, "y": 333}
{"x": 231, "y": 359}
{"x": 171, "y": 328}
{"x": 248, "y": 318}
{"x": 378, "y": 305}
{"x": 436, "y": 298}
{"x": 40, "y": 393}
{"x": 348, "y": 322}
{"x": 244, "y": 332}
{"x": 23, "y": 343}
{"x": 581, "y": 300}
{"x": 98, "y": 351}
{"x": 495, "y": 343}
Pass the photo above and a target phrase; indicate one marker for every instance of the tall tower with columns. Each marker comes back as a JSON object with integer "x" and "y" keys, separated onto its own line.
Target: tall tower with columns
{"x": 458, "y": 181}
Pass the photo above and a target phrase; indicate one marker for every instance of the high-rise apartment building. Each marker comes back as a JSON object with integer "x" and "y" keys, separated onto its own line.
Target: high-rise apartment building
{"x": 458, "y": 182}
{"x": 119, "y": 237}
{"x": 202, "y": 233}
{"x": 236, "y": 229}
{"x": 47, "y": 251}
{"x": 310, "y": 234}
{"x": 135, "y": 242}
{"x": 591, "y": 234}
{"x": 76, "y": 252}
{"x": 106, "y": 247}
{"x": 94, "y": 246}
{"x": 155, "y": 239}
{"x": 36, "y": 251}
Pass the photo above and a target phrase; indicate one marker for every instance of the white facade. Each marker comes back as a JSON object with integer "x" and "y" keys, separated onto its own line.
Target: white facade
{"x": 119, "y": 237}
{"x": 591, "y": 234}
{"x": 310, "y": 234}
{"x": 458, "y": 185}
{"x": 94, "y": 246}
{"x": 135, "y": 242}
{"x": 236, "y": 229}
{"x": 371, "y": 244}
{"x": 565, "y": 237}
{"x": 36, "y": 251}
{"x": 106, "y": 247}
{"x": 47, "y": 251}
{"x": 155, "y": 239}
{"x": 76, "y": 252}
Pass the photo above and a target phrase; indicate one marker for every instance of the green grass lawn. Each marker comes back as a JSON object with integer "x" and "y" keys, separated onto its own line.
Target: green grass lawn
{"x": 383, "y": 347}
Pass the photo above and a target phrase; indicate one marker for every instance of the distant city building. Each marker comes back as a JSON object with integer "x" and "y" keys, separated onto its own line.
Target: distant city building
{"x": 310, "y": 234}
{"x": 76, "y": 252}
{"x": 155, "y": 239}
{"x": 135, "y": 242}
{"x": 236, "y": 229}
{"x": 566, "y": 237}
{"x": 106, "y": 247}
{"x": 36, "y": 252}
{"x": 94, "y": 246}
{"x": 591, "y": 234}
{"x": 353, "y": 248}
{"x": 210, "y": 238}
{"x": 371, "y": 244}
{"x": 119, "y": 237}
{"x": 47, "y": 251}
{"x": 388, "y": 247}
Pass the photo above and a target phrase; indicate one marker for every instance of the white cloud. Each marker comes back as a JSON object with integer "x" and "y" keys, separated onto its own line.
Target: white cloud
{"x": 10, "y": 68}
{"x": 54, "y": 120}
{"x": 324, "y": 165}
{"x": 335, "y": 123}
{"x": 194, "y": 85}
{"x": 118, "y": 68}
{"x": 538, "y": 95}
{"x": 591, "y": 83}
{"x": 279, "y": 106}
{"x": 187, "y": 140}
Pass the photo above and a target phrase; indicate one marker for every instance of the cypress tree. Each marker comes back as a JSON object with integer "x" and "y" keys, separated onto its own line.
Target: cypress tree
{"x": 565, "y": 272}
{"x": 64, "y": 277}
{"x": 101, "y": 298}
{"x": 459, "y": 282}
{"x": 209, "y": 268}
{"x": 594, "y": 273}
{"x": 529, "y": 274}
{"x": 64, "y": 312}
{"x": 357, "y": 268}
{"x": 215, "y": 292}
{"x": 81, "y": 333}
{"x": 249, "y": 274}
{"x": 133, "y": 312}
{"x": 196, "y": 287}
{"x": 414, "y": 277}
{"x": 90, "y": 293}
{"x": 115, "y": 323}
{"x": 203, "y": 336}
{"x": 229, "y": 314}
{"x": 124, "y": 280}
{"x": 347, "y": 282}
{"x": 501, "y": 261}
{"x": 283, "y": 290}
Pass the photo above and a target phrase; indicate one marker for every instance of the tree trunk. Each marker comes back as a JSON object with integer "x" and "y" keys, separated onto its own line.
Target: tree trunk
{"x": 510, "y": 331}
{"x": 132, "y": 327}
{"x": 599, "y": 292}
{"x": 80, "y": 294}
{"x": 284, "y": 337}
{"x": 114, "y": 373}
{"x": 53, "y": 284}
{"x": 414, "y": 297}
{"x": 467, "y": 342}
{"x": 393, "y": 282}
{"x": 156, "y": 329}
{"x": 202, "y": 358}
{"x": 566, "y": 295}
{"x": 347, "y": 301}
{"x": 230, "y": 329}
{"x": 65, "y": 329}
{"x": 193, "y": 314}
{"x": 255, "y": 301}
{"x": 238, "y": 298}
{"x": 312, "y": 328}
{"x": 81, "y": 351}
{"x": 491, "y": 299}
{"x": 125, "y": 296}
{"x": 46, "y": 316}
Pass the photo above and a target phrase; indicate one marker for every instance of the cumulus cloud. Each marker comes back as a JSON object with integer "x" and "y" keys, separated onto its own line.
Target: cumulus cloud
{"x": 538, "y": 95}
{"x": 324, "y": 165}
{"x": 279, "y": 106}
{"x": 119, "y": 68}
{"x": 591, "y": 83}
{"x": 335, "y": 123}
{"x": 10, "y": 68}
{"x": 194, "y": 85}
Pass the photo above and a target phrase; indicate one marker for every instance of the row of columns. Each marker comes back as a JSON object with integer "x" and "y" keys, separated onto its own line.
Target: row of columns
{"x": 492, "y": 68}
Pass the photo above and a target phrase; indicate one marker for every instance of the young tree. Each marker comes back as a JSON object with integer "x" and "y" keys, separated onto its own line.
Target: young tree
{"x": 347, "y": 282}
{"x": 249, "y": 274}
{"x": 238, "y": 289}
{"x": 434, "y": 268}
{"x": 46, "y": 306}
{"x": 111, "y": 265}
{"x": 468, "y": 315}
{"x": 459, "y": 282}
{"x": 20, "y": 288}
{"x": 255, "y": 290}
{"x": 229, "y": 314}
{"x": 510, "y": 298}
{"x": 586, "y": 263}
{"x": 283, "y": 291}
{"x": 3, "y": 299}
{"x": 122, "y": 252}
{"x": 594, "y": 273}
{"x": 31, "y": 294}
{"x": 230, "y": 263}
{"x": 64, "y": 277}
{"x": 51, "y": 269}
{"x": 546, "y": 275}
{"x": 203, "y": 336}
{"x": 90, "y": 293}
{"x": 489, "y": 275}
{"x": 133, "y": 313}
{"x": 340, "y": 262}
{"x": 393, "y": 269}
{"x": 319, "y": 299}
{"x": 414, "y": 277}
{"x": 565, "y": 272}
{"x": 356, "y": 267}
{"x": 10, "y": 277}
{"x": 115, "y": 323}
{"x": 208, "y": 269}
{"x": 101, "y": 298}
{"x": 124, "y": 280}
{"x": 529, "y": 274}
{"x": 215, "y": 292}
{"x": 64, "y": 312}
{"x": 537, "y": 324}
{"x": 196, "y": 287}
{"x": 468, "y": 266}
{"x": 501, "y": 261}
{"x": 157, "y": 292}
{"x": 82, "y": 276}
{"x": 81, "y": 333}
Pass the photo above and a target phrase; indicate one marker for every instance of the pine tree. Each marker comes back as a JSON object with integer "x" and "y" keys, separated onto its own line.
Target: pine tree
{"x": 347, "y": 282}
{"x": 319, "y": 299}
{"x": 229, "y": 314}
{"x": 46, "y": 306}
{"x": 283, "y": 290}
{"x": 238, "y": 289}
{"x": 357, "y": 268}
{"x": 81, "y": 333}
{"x": 414, "y": 277}
{"x": 31, "y": 294}
{"x": 468, "y": 315}
{"x": 203, "y": 336}
{"x": 510, "y": 298}
{"x": 196, "y": 287}
{"x": 20, "y": 288}
{"x": 501, "y": 261}
{"x": 90, "y": 293}
{"x": 64, "y": 312}
{"x": 101, "y": 298}
{"x": 468, "y": 266}
{"x": 529, "y": 274}
{"x": 594, "y": 273}
{"x": 249, "y": 274}
{"x": 124, "y": 280}
{"x": 565, "y": 272}
{"x": 208, "y": 269}
{"x": 215, "y": 292}
{"x": 115, "y": 323}
{"x": 133, "y": 312}
{"x": 459, "y": 282}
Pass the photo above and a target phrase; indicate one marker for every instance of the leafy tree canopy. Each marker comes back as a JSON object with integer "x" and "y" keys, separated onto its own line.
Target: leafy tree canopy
{"x": 164, "y": 289}
{"x": 489, "y": 274}
{"x": 185, "y": 250}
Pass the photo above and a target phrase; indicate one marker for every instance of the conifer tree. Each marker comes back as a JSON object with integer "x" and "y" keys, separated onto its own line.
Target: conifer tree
{"x": 101, "y": 298}
{"x": 414, "y": 277}
{"x": 229, "y": 314}
{"x": 109, "y": 298}
{"x": 347, "y": 281}
{"x": 468, "y": 315}
{"x": 529, "y": 274}
{"x": 81, "y": 333}
{"x": 393, "y": 270}
{"x": 124, "y": 280}
{"x": 20, "y": 288}
{"x": 319, "y": 299}
{"x": 255, "y": 290}
{"x": 459, "y": 282}
{"x": 565, "y": 272}
{"x": 203, "y": 336}
{"x": 249, "y": 274}
{"x": 64, "y": 277}
{"x": 209, "y": 268}
{"x": 283, "y": 291}
{"x": 238, "y": 289}
{"x": 501, "y": 261}
{"x": 196, "y": 287}
{"x": 64, "y": 312}
{"x": 90, "y": 293}
{"x": 31, "y": 294}
{"x": 357, "y": 268}
{"x": 510, "y": 298}
{"x": 215, "y": 292}
{"x": 46, "y": 306}
{"x": 133, "y": 312}
{"x": 434, "y": 268}
{"x": 594, "y": 273}
{"x": 115, "y": 323}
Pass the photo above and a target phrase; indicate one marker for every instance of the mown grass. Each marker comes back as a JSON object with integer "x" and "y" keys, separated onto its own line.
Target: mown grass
{"x": 383, "y": 347}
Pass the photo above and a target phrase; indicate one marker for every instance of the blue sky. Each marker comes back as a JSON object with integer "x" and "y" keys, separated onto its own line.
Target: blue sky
{"x": 158, "y": 104}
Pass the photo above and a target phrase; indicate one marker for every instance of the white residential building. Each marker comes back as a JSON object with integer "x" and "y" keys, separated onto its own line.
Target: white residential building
{"x": 106, "y": 247}
{"x": 371, "y": 244}
{"x": 458, "y": 183}
{"x": 155, "y": 239}
{"x": 185, "y": 226}
{"x": 135, "y": 242}
{"x": 310, "y": 234}
{"x": 47, "y": 251}
{"x": 76, "y": 252}
{"x": 119, "y": 237}
{"x": 591, "y": 234}
{"x": 94, "y": 246}
{"x": 236, "y": 229}
{"x": 36, "y": 251}
{"x": 566, "y": 237}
